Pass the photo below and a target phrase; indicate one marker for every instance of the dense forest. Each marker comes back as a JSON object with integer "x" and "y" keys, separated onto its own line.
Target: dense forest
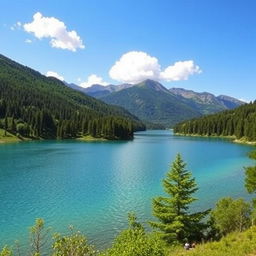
{"x": 239, "y": 122}
{"x": 35, "y": 106}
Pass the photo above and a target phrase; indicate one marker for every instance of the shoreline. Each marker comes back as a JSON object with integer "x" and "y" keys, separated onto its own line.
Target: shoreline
{"x": 230, "y": 138}
{"x": 14, "y": 139}
{"x": 89, "y": 138}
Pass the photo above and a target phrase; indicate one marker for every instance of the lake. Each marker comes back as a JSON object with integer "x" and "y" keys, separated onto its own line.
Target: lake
{"x": 94, "y": 185}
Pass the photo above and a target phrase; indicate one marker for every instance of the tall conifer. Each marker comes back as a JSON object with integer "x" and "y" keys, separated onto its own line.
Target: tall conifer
{"x": 176, "y": 223}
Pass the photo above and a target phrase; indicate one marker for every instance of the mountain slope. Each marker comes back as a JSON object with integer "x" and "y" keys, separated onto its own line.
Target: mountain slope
{"x": 239, "y": 122}
{"x": 230, "y": 102}
{"x": 152, "y": 102}
{"x": 206, "y": 103}
{"x": 98, "y": 91}
{"x": 40, "y": 107}
{"x": 159, "y": 107}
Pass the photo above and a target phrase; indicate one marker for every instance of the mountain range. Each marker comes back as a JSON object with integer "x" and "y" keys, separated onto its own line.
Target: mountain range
{"x": 158, "y": 106}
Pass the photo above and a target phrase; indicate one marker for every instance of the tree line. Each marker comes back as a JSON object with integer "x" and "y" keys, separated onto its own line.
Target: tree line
{"x": 239, "y": 122}
{"x": 174, "y": 223}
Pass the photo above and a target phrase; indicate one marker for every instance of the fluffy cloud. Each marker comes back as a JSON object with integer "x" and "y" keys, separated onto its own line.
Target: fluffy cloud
{"x": 56, "y": 30}
{"x": 54, "y": 74}
{"x": 181, "y": 70}
{"x": 93, "y": 79}
{"x": 134, "y": 67}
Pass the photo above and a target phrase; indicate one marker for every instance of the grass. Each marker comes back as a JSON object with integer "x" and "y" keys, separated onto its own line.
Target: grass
{"x": 235, "y": 244}
{"x": 89, "y": 138}
{"x": 8, "y": 138}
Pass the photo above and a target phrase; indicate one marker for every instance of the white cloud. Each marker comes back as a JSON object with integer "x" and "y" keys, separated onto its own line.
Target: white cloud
{"x": 54, "y": 74}
{"x": 181, "y": 70}
{"x": 134, "y": 67}
{"x": 56, "y": 30}
{"x": 28, "y": 41}
{"x": 93, "y": 79}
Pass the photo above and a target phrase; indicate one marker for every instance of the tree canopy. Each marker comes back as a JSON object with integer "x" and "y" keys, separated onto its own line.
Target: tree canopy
{"x": 239, "y": 122}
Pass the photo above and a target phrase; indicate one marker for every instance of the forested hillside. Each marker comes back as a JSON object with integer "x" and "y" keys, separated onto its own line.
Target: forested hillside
{"x": 32, "y": 105}
{"x": 240, "y": 123}
{"x": 153, "y": 104}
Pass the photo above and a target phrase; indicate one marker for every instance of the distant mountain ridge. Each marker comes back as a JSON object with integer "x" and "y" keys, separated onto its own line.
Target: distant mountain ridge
{"x": 155, "y": 104}
{"x": 205, "y": 102}
{"x": 98, "y": 91}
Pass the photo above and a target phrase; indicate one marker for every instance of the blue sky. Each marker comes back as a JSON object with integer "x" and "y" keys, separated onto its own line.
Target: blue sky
{"x": 158, "y": 37}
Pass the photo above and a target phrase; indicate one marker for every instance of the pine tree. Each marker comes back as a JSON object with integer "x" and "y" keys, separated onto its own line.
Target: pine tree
{"x": 176, "y": 223}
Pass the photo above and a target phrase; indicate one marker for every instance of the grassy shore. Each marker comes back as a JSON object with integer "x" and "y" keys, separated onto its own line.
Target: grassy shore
{"x": 89, "y": 138}
{"x": 231, "y": 138}
{"x": 235, "y": 244}
{"x": 8, "y": 137}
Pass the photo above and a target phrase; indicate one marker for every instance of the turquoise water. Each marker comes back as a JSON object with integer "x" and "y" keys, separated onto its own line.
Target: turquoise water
{"x": 94, "y": 185}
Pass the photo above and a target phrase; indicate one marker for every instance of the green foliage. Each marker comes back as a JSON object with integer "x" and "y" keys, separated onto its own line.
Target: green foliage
{"x": 74, "y": 244}
{"x": 234, "y": 244}
{"x": 250, "y": 175}
{"x": 176, "y": 224}
{"x": 231, "y": 215}
{"x": 6, "y": 252}
{"x": 240, "y": 123}
{"x": 134, "y": 241}
{"x": 35, "y": 106}
{"x": 252, "y": 155}
{"x": 38, "y": 237}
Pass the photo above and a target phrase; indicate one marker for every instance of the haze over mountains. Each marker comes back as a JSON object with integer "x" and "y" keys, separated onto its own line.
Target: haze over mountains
{"x": 158, "y": 106}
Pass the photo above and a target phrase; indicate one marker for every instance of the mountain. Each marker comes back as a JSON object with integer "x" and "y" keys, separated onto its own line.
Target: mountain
{"x": 239, "y": 123}
{"x": 157, "y": 106}
{"x": 206, "y": 103}
{"x": 32, "y": 105}
{"x": 98, "y": 91}
{"x": 230, "y": 102}
{"x": 152, "y": 103}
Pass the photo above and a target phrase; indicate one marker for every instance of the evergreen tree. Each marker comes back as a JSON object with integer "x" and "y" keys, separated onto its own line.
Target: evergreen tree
{"x": 239, "y": 123}
{"x": 176, "y": 223}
